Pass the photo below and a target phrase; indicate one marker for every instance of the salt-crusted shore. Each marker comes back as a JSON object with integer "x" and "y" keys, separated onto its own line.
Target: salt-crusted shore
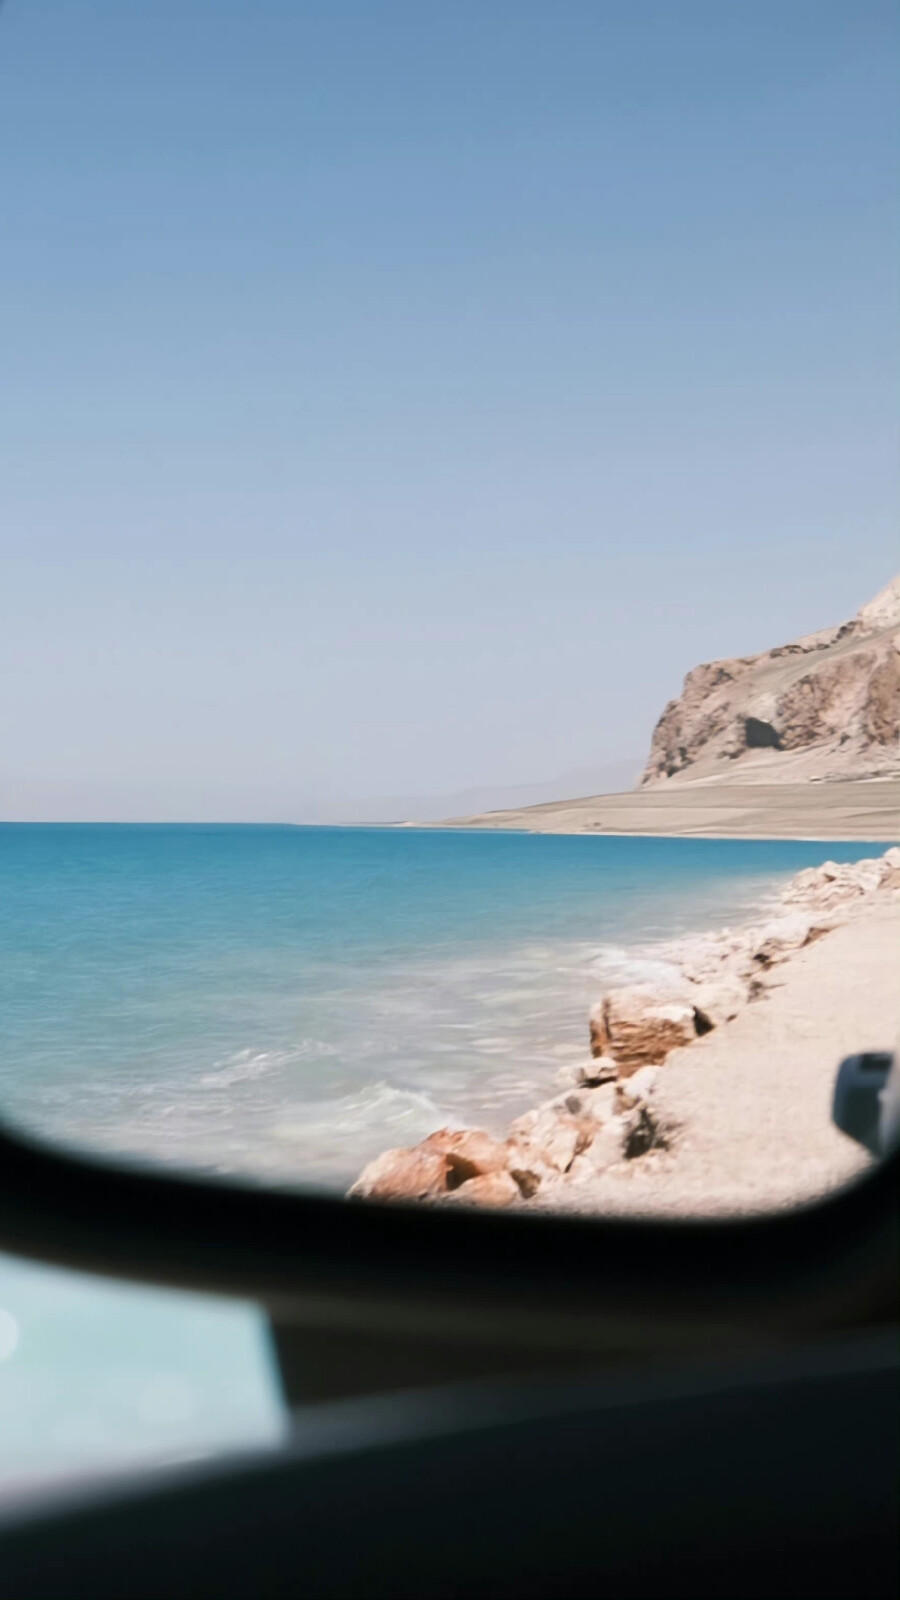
{"x": 708, "y": 1091}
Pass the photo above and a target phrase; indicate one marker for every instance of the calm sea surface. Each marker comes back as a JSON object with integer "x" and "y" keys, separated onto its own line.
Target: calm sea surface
{"x": 286, "y": 1002}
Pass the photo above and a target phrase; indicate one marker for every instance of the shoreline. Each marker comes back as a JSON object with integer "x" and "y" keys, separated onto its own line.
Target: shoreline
{"x": 746, "y": 1109}
{"x": 851, "y": 810}
{"x": 886, "y": 838}
{"x": 708, "y": 1089}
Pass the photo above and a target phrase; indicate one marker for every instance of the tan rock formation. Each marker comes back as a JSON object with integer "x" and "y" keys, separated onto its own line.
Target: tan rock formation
{"x": 441, "y": 1164}
{"x": 639, "y": 1025}
{"x": 826, "y": 706}
{"x": 402, "y": 1175}
{"x": 468, "y": 1152}
{"x": 489, "y": 1189}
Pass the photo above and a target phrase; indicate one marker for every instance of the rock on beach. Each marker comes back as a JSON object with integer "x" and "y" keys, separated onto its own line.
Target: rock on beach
{"x": 605, "y": 1116}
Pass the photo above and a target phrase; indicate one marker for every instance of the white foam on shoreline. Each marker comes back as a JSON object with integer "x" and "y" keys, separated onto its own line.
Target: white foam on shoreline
{"x": 472, "y": 1038}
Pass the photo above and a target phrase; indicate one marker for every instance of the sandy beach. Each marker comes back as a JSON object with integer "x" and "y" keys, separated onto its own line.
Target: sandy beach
{"x": 750, "y": 1103}
{"x": 855, "y": 809}
{"x": 708, "y": 1090}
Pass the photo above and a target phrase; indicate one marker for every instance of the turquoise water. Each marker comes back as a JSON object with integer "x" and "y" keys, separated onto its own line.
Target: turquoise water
{"x": 284, "y": 1002}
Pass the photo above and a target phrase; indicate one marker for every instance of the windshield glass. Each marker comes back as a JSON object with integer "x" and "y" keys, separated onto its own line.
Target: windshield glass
{"x": 451, "y": 692}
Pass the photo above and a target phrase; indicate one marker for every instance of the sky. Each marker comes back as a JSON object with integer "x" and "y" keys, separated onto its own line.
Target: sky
{"x": 398, "y": 399}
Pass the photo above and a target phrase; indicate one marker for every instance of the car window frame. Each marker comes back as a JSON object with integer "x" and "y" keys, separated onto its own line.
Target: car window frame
{"x": 590, "y": 1283}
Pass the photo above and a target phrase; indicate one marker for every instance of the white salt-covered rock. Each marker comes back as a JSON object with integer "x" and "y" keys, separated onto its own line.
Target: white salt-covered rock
{"x": 890, "y": 875}
{"x": 607, "y": 1146}
{"x": 708, "y": 958}
{"x": 550, "y": 1135}
{"x": 867, "y": 875}
{"x": 778, "y": 938}
{"x": 598, "y": 1070}
{"x": 636, "y": 1090}
{"x": 835, "y": 884}
{"x": 586, "y": 1104}
{"x": 598, "y": 1104}
{"x": 719, "y": 1000}
{"x": 587, "y": 1074}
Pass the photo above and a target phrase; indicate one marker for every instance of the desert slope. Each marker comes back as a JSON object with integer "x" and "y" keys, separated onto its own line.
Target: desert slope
{"x": 717, "y": 810}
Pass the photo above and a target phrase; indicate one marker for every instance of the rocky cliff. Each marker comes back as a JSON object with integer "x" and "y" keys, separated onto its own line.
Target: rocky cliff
{"x": 825, "y": 707}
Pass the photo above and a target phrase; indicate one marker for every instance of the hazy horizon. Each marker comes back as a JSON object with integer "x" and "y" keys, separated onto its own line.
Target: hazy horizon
{"x": 400, "y": 400}
{"x": 45, "y": 801}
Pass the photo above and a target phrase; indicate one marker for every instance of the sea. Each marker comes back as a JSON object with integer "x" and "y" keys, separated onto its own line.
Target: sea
{"x": 280, "y": 1004}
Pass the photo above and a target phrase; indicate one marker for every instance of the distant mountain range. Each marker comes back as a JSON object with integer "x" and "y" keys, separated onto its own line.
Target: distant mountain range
{"x": 826, "y": 707}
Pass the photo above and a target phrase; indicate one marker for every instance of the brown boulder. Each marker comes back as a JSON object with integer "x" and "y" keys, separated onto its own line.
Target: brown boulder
{"x": 469, "y": 1153}
{"x": 442, "y": 1163}
{"x": 638, "y": 1026}
{"x": 490, "y": 1189}
{"x": 402, "y": 1175}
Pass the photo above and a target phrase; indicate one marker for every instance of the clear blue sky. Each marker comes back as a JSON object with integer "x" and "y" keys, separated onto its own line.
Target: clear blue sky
{"x": 402, "y": 396}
